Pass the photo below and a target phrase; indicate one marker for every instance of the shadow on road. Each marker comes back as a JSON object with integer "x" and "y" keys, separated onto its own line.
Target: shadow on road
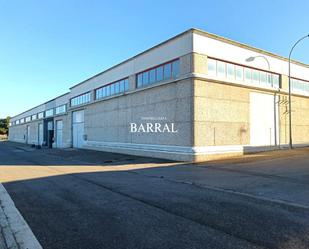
{"x": 128, "y": 204}
{"x": 128, "y": 209}
{"x": 22, "y": 154}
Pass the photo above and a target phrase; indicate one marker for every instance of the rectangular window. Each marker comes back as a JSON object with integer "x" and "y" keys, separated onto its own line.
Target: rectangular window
{"x": 49, "y": 113}
{"x": 159, "y": 74}
{"x": 242, "y": 73}
{"x": 41, "y": 115}
{"x": 121, "y": 86}
{"x": 140, "y": 80}
{"x": 305, "y": 87}
{"x": 126, "y": 84}
{"x": 98, "y": 93}
{"x": 221, "y": 69}
{"x": 269, "y": 80}
{"x": 34, "y": 117}
{"x": 212, "y": 67}
{"x": 175, "y": 69}
{"x": 61, "y": 109}
{"x": 117, "y": 87}
{"x": 239, "y": 73}
{"x": 82, "y": 99}
{"x": 230, "y": 71}
{"x": 263, "y": 78}
{"x": 108, "y": 90}
{"x": 300, "y": 86}
{"x": 255, "y": 76}
{"x": 104, "y": 94}
{"x": 152, "y": 76}
{"x": 248, "y": 75}
{"x": 28, "y": 119}
{"x": 22, "y": 121}
{"x": 275, "y": 79}
{"x": 167, "y": 71}
{"x": 17, "y": 122}
{"x": 112, "y": 89}
{"x": 145, "y": 78}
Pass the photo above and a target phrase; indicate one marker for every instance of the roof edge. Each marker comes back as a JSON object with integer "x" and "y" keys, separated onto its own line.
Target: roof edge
{"x": 243, "y": 45}
{"x": 202, "y": 32}
{"x": 40, "y": 105}
{"x": 135, "y": 56}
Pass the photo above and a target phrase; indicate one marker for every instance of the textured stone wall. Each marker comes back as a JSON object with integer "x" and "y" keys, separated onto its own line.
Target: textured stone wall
{"x": 109, "y": 120}
{"x": 18, "y": 133}
{"x": 221, "y": 114}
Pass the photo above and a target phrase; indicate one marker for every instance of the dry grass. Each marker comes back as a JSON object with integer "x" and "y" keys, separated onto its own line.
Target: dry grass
{"x": 3, "y": 137}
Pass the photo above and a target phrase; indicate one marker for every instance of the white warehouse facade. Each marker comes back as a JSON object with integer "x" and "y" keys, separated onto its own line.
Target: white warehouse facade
{"x": 193, "y": 97}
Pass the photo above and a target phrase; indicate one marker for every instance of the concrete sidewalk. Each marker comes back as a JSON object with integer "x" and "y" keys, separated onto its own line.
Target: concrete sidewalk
{"x": 14, "y": 231}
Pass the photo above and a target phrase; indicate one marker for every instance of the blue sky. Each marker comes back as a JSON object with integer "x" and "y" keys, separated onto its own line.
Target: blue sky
{"x": 48, "y": 46}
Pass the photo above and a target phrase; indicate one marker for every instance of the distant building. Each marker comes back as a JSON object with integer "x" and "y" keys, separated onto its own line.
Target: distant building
{"x": 219, "y": 102}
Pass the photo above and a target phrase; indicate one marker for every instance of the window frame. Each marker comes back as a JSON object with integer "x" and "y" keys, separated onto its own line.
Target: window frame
{"x": 62, "y": 111}
{"x": 159, "y": 71}
{"x": 79, "y": 99}
{"x": 296, "y": 90}
{"x": 107, "y": 89}
{"x": 49, "y": 110}
{"x": 270, "y": 83}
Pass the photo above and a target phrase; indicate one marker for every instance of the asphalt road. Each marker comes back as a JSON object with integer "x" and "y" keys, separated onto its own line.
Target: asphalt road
{"x": 84, "y": 199}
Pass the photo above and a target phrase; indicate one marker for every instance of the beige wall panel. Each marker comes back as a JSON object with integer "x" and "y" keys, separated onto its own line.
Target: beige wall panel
{"x": 221, "y": 114}
{"x": 199, "y": 63}
{"x": 109, "y": 120}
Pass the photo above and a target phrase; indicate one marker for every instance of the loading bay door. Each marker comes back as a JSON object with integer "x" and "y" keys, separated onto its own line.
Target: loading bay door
{"x": 263, "y": 119}
{"x": 78, "y": 129}
{"x": 28, "y": 135}
{"x": 59, "y": 125}
{"x": 40, "y": 137}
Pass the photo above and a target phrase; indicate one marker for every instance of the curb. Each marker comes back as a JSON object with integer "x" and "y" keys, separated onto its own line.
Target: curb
{"x": 13, "y": 228}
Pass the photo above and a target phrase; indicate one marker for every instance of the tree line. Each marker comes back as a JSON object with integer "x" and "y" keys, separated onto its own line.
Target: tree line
{"x": 4, "y": 126}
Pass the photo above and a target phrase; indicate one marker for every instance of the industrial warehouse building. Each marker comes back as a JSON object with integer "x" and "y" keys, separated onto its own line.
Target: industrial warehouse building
{"x": 193, "y": 97}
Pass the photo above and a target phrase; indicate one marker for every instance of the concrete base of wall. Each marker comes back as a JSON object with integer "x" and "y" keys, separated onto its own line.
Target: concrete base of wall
{"x": 175, "y": 153}
{"x": 181, "y": 153}
{"x": 64, "y": 146}
{"x": 18, "y": 140}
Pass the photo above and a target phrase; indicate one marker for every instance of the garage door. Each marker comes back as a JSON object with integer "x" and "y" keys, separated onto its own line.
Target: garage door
{"x": 263, "y": 119}
{"x": 78, "y": 129}
{"x": 40, "y": 137}
{"x": 59, "y": 125}
{"x": 28, "y": 135}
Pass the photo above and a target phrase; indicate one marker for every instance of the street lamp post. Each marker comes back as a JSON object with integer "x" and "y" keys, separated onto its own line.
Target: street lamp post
{"x": 252, "y": 58}
{"x": 290, "y": 102}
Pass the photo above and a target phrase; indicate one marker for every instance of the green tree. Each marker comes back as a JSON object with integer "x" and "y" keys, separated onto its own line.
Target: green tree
{"x": 4, "y": 126}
